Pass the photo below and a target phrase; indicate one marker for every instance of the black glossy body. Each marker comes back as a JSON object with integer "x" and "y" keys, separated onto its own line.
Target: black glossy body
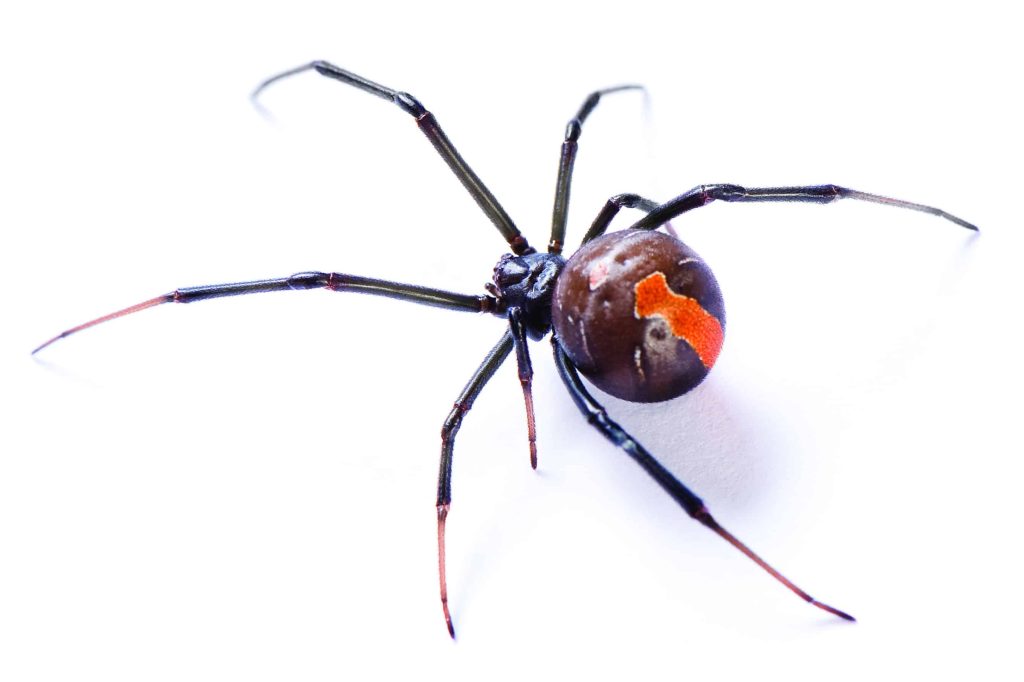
{"x": 527, "y": 283}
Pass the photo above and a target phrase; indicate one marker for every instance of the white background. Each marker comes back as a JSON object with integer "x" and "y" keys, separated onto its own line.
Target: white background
{"x": 244, "y": 488}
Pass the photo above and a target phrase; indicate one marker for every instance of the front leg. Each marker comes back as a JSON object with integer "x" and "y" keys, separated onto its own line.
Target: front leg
{"x": 433, "y": 132}
{"x": 302, "y": 281}
{"x": 451, "y": 426}
{"x": 525, "y": 367}
{"x": 703, "y": 195}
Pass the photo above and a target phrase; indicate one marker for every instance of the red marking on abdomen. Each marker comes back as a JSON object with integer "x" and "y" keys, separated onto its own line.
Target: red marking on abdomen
{"x": 685, "y": 316}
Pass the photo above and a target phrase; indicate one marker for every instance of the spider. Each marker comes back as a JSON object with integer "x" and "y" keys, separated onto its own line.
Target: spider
{"x": 636, "y": 311}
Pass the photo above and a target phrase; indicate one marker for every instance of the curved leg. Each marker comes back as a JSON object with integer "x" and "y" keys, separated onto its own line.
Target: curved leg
{"x": 814, "y": 194}
{"x": 567, "y": 160}
{"x": 599, "y": 419}
{"x": 518, "y": 329}
{"x": 611, "y": 209}
{"x": 430, "y": 127}
{"x": 451, "y": 427}
{"x": 334, "y": 281}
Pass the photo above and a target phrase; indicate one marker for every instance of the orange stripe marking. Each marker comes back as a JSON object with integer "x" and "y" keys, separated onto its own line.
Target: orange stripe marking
{"x": 685, "y": 316}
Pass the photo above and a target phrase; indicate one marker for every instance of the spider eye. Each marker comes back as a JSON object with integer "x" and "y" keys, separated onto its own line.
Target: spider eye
{"x": 509, "y": 272}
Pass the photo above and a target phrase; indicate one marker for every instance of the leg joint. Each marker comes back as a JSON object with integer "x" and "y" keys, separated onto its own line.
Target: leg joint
{"x": 308, "y": 280}
{"x": 724, "y": 193}
{"x": 454, "y": 419}
{"x": 410, "y": 105}
{"x": 598, "y": 417}
{"x": 625, "y": 200}
{"x": 573, "y": 130}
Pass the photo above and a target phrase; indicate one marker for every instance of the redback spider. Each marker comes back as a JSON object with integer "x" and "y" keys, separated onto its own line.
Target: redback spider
{"x": 636, "y": 311}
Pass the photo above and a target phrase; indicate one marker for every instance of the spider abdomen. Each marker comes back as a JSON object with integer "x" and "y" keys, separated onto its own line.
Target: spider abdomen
{"x": 640, "y": 314}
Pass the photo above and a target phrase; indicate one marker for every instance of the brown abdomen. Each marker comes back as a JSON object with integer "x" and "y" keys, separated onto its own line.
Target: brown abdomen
{"x": 640, "y": 314}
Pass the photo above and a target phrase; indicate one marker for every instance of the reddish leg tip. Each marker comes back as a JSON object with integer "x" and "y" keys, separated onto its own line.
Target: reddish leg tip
{"x": 705, "y": 518}
{"x": 834, "y": 611}
{"x": 448, "y": 617}
{"x": 442, "y": 514}
{"x": 166, "y": 298}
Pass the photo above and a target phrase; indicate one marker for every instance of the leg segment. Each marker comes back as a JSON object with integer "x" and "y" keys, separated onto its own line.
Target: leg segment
{"x": 814, "y": 194}
{"x": 451, "y": 427}
{"x": 429, "y": 126}
{"x": 566, "y": 162}
{"x": 518, "y": 329}
{"x": 612, "y": 208}
{"x": 599, "y": 419}
{"x": 334, "y": 281}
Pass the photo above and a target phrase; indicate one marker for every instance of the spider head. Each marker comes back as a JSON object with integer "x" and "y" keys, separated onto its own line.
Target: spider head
{"x": 527, "y": 282}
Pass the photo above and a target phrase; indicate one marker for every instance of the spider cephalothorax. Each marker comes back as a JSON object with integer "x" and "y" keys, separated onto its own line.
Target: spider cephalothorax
{"x": 527, "y": 282}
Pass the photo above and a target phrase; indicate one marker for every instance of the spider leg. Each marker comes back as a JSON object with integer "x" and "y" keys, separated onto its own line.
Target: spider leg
{"x": 518, "y": 329}
{"x": 451, "y": 426}
{"x": 598, "y": 417}
{"x": 567, "y": 160}
{"x": 813, "y": 194}
{"x": 430, "y": 127}
{"x": 611, "y": 209}
{"x": 334, "y": 281}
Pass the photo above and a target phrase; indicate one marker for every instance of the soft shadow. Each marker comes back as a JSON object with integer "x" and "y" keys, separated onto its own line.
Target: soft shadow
{"x": 702, "y": 440}
{"x": 63, "y": 372}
